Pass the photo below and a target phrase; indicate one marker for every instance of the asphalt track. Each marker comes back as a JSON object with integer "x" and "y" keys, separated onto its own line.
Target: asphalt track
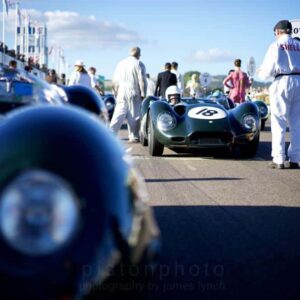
{"x": 230, "y": 227}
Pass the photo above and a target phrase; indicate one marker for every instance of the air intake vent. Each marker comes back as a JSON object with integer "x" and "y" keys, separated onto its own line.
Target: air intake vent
{"x": 177, "y": 139}
{"x": 221, "y": 137}
{"x": 180, "y": 109}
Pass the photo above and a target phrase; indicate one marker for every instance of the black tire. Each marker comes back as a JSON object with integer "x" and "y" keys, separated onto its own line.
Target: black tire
{"x": 143, "y": 140}
{"x": 263, "y": 124}
{"x": 249, "y": 150}
{"x": 155, "y": 147}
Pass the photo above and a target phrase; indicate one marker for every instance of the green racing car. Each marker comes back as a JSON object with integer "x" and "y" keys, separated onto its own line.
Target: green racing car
{"x": 203, "y": 123}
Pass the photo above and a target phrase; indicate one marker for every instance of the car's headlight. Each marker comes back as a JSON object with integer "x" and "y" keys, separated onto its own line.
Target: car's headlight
{"x": 39, "y": 213}
{"x": 263, "y": 110}
{"x": 165, "y": 121}
{"x": 249, "y": 122}
{"x": 109, "y": 105}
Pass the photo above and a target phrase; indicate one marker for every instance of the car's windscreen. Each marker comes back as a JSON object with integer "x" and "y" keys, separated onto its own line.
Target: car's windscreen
{"x": 197, "y": 100}
{"x": 14, "y": 91}
{"x": 209, "y": 100}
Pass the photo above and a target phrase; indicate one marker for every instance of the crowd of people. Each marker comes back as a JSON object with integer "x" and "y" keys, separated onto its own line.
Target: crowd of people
{"x": 22, "y": 58}
{"x": 80, "y": 76}
{"x": 282, "y": 62}
{"x": 131, "y": 84}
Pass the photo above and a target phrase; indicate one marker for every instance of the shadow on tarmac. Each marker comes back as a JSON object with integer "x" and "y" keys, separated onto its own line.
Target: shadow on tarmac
{"x": 265, "y": 149}
{"x": 229, "y": 252}
{"x": 221, "y": 252}
{"x": 193, "y": 179}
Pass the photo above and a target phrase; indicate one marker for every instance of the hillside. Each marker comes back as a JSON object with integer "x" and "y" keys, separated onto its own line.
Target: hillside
{"x": 218, "y": 79}
{"x": 215, "y": 84}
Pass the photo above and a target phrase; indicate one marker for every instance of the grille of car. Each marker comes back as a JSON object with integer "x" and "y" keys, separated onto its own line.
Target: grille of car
{"x": 211, "y": 138}
{"x": 178, "y": 139}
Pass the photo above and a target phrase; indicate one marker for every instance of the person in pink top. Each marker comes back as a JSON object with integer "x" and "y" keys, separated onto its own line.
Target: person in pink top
{"x": 237, "y": 82}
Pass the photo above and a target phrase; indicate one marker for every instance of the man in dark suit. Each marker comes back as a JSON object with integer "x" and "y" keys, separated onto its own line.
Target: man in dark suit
{"x": 164, "y": 80}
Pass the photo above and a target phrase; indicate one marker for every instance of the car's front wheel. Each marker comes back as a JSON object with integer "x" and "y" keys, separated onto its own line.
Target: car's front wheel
{"x": 155, "y": 147}
{"x": 263, "y": 124}
{"x": 143, "y": 139}
{"x": 249, "y": 150}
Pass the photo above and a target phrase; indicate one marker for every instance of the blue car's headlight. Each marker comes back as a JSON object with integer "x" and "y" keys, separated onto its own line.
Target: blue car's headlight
{"x": 249, "y": 122}
{"x": 165, "y": 121}
{"x": 39, "y": 213}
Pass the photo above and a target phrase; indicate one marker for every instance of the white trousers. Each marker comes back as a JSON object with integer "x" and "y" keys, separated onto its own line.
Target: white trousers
{"x": 285, "y": 111}
{"x": 128, "y": 108}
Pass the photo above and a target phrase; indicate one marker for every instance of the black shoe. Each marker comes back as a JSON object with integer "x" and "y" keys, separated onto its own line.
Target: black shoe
{"x": 293, "y": 165}
{"x": 273, "y": 165}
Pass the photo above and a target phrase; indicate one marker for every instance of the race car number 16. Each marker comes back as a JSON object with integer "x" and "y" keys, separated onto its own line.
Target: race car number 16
{"x": 207, "y": 113}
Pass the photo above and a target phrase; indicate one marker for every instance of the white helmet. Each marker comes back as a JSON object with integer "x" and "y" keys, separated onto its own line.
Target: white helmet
{"x": 173, "y": 90}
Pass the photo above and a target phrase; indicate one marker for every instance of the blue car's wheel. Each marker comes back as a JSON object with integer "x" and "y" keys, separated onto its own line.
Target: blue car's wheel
{"x": 155, "y": 147}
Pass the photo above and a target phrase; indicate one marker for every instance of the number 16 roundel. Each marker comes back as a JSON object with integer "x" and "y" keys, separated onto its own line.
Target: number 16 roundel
{"x": 207, "y": 113}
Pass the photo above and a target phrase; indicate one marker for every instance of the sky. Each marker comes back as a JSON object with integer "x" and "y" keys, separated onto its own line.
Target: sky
{"x": 204, "y": 36}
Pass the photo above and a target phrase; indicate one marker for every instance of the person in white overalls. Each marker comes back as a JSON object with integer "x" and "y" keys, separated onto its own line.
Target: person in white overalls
{"x": 130, "y": 86}
{"x": 282, "y": 62}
